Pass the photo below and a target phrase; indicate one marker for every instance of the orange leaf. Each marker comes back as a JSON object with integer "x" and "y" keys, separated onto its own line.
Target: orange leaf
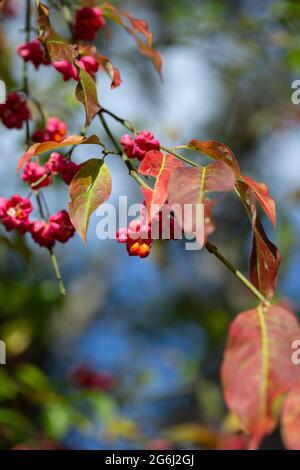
{"x": 137, "y": 28}
{"x": 38, "y": 149}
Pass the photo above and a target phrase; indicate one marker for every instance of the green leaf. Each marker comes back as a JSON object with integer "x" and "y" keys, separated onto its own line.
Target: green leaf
{"x": 90, "y": 188}
{"x": 86, "y": 93}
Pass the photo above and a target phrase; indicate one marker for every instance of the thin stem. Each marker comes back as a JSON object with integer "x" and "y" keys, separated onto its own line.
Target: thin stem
{"x": 128, "y": 125}
{"x": 214, "y": 250}
{"x": 181, "y": 157}
{"x": 57, "y": 272}
{"x": 37, "y": 193}
{"x": 109, "y": 133}
{"x": 134, "y": 174}
{"x": 131, "y": 170}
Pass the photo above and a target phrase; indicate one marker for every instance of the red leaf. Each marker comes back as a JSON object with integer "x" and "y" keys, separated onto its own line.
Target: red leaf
{"x": 262, "y": 195}
{"x": 290, "y": 418}
{"x": 160, "y": 166}
{"x": 264, "y": 261}
{"x": 189, "y": 186}
{"x": 220, "y": 151}
{"x": 257, "y": 367}
{"x": 265, "y": 257}
{"x": 38, "y": 149}
{"x": 137, "y": 28}
{"x": 216, "y": 150}
{"x": 104, "y": 63}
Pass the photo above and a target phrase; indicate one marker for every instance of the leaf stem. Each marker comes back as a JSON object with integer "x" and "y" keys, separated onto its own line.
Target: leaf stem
{"x": 128, "y": 125}
{"x": 131, "y": 170}
{"x": 214, "y": 250}
{"x": 57, "y": 272}
{"x": 181, "y": 157}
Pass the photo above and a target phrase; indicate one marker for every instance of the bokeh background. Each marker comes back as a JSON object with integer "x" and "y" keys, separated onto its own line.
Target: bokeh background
{"x": 130, "y": 359}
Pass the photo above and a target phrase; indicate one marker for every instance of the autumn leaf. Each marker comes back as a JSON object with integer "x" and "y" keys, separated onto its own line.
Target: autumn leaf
{"x": 261, "y": 193}
{"x": 86, "y": 93}
{"x": 217, "y": 151}
{"x": 188, "y": 187}
{"x": 110, "y": 69}
{"x": 39, "y": 148}
{"x": 56, "y": 46}
{"x": 290, "y": 418}
{"x": 159, "y": 166}
{"x": 104, "y": 63}
{"x": 257, "y": 367}
{"x": 90, "y": 188}
{"x": 265, "y": 257}
{"x": 137, "y": 28}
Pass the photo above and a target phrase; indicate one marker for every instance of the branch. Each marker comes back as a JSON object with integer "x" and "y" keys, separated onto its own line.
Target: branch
{"x": 214, "y": 250}
{"x": 37, "y": 194}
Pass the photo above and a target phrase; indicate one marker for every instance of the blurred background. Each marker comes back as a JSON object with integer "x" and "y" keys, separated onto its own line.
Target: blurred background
{"x": 130, "y": 359}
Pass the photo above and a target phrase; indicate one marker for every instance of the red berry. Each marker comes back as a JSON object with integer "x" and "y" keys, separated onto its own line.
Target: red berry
{"x": 34, "y": 172}
{"x": 122, "y": 235}
{"x": 142, "y": 143}
{"x": 62, "y": 227}
{"x": 33, "y": 52}
{"x": 67, "y": 70}
{"x": 59, "y": 164}
{"x": 14, "y": 112}
{"x": 55, "y": 130}
{"x": 42, "y": 233}
{"x": 88, "y": 21}
{"x": 89, "y": 64}
{"x": 14, "y": 213}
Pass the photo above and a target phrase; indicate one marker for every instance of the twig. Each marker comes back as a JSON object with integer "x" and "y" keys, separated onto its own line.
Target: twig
{"x": 27, "y": 140}
{"x": 214, "y": 250}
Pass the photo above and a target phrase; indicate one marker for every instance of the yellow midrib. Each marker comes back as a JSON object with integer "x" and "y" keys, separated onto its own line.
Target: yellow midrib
{"x": 265, "y": 361}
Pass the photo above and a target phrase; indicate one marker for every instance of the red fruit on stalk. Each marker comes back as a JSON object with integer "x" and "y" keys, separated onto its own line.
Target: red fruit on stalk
{"x": 140, "y": 145}
{"x": 58, "y": 228}
{"x": 59, "y": 164}
{"x": 55, "y": 130}
{"x": 89, "y": 64}
{"x": 14, "y": 213}
{"x": 34, "y": 173}
{"x": 42, "y": 233}
{"x": 14, "y": 112}
{"x": 67, "y": 70}
{"x": 33, "y": 52}
{"x": 62, "y": 227}
{"x": 87, "y": 22}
